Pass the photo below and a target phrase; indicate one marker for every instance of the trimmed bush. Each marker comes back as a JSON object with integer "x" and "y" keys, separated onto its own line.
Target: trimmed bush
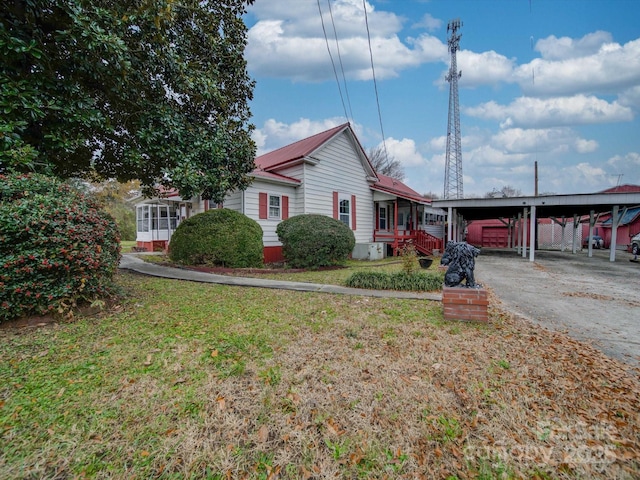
{"x": 313, "y": 241}
{"x": 426, "y": 282}
{"x": 56, "y": 246}
{"x": 219, "y": 237}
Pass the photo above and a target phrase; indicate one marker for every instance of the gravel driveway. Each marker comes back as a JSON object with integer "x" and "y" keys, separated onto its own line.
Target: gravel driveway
{"x": 592, "y": 299}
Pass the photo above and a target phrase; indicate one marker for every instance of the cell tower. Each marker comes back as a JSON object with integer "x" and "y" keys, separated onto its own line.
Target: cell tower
{"x": 453, "y": 166}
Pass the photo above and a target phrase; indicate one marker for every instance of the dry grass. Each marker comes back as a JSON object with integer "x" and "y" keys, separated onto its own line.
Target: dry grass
{"x": 206, "y": 381}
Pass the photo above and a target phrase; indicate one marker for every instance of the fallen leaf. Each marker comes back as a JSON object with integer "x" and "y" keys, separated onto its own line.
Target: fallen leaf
{"x": 148, "y": 361}
{"x": 263, "y": 434}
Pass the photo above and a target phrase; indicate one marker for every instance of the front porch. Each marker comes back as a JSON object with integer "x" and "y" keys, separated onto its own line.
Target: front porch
{"x": 400, "y": 222}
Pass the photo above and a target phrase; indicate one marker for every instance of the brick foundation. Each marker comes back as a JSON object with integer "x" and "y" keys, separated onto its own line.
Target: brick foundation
{"x": 466, "y": 304}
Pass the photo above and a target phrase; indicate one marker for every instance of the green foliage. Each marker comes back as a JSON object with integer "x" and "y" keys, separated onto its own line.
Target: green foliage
{"x": 312, "y": 241}
{"x": 113, "y": 196}
{"x": 128, "y": 90}
{"x": 218, "y": 237}
{"x": 396, "y": 281}
{"x": 56, "y": 246}
{"x": 409, "y": 259}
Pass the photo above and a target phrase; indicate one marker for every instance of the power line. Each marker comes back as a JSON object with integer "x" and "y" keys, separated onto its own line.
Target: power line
{"x": 344, "y": 78}
{"x": 375, "y": 83}
{"x": 335, "y": 73}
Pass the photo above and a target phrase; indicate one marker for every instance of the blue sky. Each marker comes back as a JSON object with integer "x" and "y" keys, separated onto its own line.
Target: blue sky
{"x": 552, "y": 81}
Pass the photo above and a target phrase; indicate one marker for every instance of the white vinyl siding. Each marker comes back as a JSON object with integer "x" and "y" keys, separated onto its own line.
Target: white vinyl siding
{"x": 339, "y": 169}
{"x": 233, "y": 201}
{"x": 252, "y": 207}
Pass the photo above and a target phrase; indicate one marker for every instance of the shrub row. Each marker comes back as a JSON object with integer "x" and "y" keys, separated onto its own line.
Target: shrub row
{"x": 313, "y": 241}
{"x": 218, "y": 237}
{"x": 56, "y": 246}
{"x": 396, "y": 281}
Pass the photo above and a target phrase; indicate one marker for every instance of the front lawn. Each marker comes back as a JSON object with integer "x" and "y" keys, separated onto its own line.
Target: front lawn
{"x": 186, "y": 380}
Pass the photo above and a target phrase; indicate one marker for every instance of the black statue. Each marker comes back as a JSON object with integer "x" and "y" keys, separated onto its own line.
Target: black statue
{"x": 460, "y": 257}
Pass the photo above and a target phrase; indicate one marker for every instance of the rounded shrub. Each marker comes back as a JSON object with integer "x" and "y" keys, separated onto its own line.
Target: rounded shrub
{"x": 313, "y": 241}
{"x": 219, "y": 237}
{"x": 57, "y": 246}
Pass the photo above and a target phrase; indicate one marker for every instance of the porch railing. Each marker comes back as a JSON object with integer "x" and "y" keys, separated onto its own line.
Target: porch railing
{"x": 424, "y": 242}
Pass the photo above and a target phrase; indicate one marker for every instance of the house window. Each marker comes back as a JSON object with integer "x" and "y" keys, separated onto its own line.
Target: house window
{"x": 382, "y": 218}
{"x": 274, "y": 207}
{"x": 143, "y": 218}
{"x": 344, "y": 212}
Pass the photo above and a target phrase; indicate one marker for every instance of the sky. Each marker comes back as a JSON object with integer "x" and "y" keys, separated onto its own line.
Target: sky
{"x": 555, "y": 82}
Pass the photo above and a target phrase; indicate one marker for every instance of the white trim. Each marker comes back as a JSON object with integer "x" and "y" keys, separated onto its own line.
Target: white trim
{"x": 269, "y": 206}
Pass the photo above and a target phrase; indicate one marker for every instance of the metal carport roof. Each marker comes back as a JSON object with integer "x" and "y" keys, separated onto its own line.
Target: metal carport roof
{"x": 547, "y": 206}
{"x": 544, "y": 206}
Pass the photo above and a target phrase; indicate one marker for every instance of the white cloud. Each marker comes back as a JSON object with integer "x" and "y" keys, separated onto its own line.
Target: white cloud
{"x": 554, "y": 140}
{"x": 612, "y": 68}
{"x": 287, "y": 41}
{"x": 630, "y": 97}
{"x": 405, "y": 152}
{"x": 554, "y": 48}
{"x": 486, "y": 68}
{"x": 582, "y": 145}
{"x": 627, "y": 165}
{"x": 428, "y": 22}
{"x": 274, "y": 134}
{"x": 560, "y": 111}
{"x": 489, "y": 155}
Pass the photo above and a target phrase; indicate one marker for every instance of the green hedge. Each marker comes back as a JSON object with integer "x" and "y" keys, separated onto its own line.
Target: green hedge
{"x": 396, "y": 281}
{"x": 313, "y": 241}
{"x": 218, "y": 237}
{"x": 56, "y": 246}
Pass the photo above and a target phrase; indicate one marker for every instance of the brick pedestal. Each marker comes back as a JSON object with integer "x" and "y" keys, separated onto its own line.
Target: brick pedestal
{"x": 466, "y": 304}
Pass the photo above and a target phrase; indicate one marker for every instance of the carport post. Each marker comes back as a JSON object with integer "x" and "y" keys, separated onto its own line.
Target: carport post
{"x": 519, "y": 234}
{"x": 574, "y": 242}
{"x": 532, "y": 234}
{"x": 449, "y": 223}
{"x": 524, "y": 233}
{"x": 615, "y": 221}
{"x": 590, "y": 241}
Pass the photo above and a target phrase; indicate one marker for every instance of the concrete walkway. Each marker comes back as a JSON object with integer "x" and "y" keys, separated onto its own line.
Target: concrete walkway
{"x": 134, "y": 263}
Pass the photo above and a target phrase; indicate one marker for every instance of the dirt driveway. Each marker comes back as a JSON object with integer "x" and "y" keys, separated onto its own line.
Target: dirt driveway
{"x": 592, "y": 299}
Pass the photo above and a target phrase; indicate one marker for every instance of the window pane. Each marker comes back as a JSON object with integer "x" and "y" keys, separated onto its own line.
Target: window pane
{"x": 274, "y": 206}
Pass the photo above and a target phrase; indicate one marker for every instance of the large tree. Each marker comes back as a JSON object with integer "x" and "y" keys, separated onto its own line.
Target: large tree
{"x": 506, "y": 191}
{"x": 154, "y": 90}
{"x": 385, "y": 164}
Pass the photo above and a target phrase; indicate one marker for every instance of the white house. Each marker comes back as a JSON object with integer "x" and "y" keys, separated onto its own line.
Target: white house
{"x": 328, "y": 174}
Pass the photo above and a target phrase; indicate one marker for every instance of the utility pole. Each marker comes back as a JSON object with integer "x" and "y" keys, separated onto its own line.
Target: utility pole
{"x": 453, "y": 166}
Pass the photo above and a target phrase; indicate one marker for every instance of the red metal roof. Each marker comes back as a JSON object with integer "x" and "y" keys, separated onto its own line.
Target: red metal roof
{"x": 274, "y": 176}
{"x": 626, "y": 188}
{"x": 396, "y": 187}
{"x": 297, "y": 150}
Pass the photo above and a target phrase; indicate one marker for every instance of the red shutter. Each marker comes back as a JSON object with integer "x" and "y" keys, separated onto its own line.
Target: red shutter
{"x": 335, "y": 205}
{"x": 262, "y": 206}
{"x": 206, "y": 205}
{"x": 353, "y": 212}
{"x": 285, "y": 207}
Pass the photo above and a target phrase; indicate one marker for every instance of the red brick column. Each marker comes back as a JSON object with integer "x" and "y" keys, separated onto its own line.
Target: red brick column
{"x": 467, "y": 304}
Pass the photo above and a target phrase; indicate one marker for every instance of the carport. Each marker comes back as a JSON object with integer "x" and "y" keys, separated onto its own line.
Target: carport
{"x": 523, "y": 209}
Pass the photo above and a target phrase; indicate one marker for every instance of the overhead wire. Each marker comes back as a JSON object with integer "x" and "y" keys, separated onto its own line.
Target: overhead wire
{"x": 344, "y": 78}
{"x": 335, "y": 73}
{"x": 375, "y": 83}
